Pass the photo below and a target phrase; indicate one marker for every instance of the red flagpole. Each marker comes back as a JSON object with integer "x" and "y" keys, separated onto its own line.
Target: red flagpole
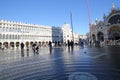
{"x": 90, "y": 26}
{"x": 88, "y": 6}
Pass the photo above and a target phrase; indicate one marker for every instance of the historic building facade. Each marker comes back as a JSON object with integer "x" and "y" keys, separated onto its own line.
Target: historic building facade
{"x": 14, "y": 33}
{"x": 108, "y": 29}
{"x": 68, "y": 34}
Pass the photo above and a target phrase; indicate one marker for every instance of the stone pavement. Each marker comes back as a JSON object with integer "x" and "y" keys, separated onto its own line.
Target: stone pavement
{"x": 62, "y": 64}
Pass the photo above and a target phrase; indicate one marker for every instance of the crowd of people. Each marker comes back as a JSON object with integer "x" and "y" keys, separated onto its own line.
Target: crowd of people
{"x": 35, "y": 47}
{"x": 104, "y": 43}
{"x": 70, "y": 44}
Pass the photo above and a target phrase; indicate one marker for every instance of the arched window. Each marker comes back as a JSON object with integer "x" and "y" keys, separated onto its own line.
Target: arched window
{"x": 114, "y": 19}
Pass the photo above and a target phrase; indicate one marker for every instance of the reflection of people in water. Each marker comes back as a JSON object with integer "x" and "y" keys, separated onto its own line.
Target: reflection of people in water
{"x": 22, "y": 53}
{"x": 68, "y": 43}
{"x": 22, "y": 49}
{"x": 27, "y": 51}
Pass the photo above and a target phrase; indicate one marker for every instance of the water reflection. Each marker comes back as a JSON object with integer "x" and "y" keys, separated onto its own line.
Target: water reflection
{"x": 27, "y": 51}
{"x": 69, "y": 49}
{"x": 50, "y": 47}
{"x": 22, "y": 53}
{"x": 50, "y": 50}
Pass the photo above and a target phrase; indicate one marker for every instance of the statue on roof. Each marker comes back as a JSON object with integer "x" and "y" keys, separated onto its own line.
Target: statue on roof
{"x": 113, "y": 6}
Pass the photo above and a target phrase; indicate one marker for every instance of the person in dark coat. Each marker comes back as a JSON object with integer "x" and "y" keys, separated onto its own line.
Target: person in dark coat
{"x": 37, "y": 49}
{"x": 68, "y": 44}
{"x": 50, "y": 46}
{"x": 72, "y": 45}
{"x": 33, "y": 47}
{"x": 22, "y": 45}
{"x": 82, "y": 44}
{"x": 22, "y": 49}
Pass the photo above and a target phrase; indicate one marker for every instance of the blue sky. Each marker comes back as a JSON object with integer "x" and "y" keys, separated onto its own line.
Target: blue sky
{"x": 55, "y": 12}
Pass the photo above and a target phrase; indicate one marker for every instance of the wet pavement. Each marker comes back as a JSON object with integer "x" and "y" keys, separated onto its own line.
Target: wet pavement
{"x": 61, "y": 64}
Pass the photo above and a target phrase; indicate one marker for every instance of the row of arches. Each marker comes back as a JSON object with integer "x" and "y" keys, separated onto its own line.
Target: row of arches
{"x": 99, "y": 36}
{"x": 27, "y": 44}
{"x": 17, "y": 44}
{"x": 113, "y": 34}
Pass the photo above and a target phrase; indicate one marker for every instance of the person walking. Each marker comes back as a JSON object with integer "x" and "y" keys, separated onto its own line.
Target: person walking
{"x": 22, "y": 49}
{"x": 22, "y": 45}
{"x": 37, "y": 48}
{"x": 72, "y": 45}
{"x": 50, "y": 46}
{"x": 68, "y": 43}
{"x": 33, "y": 47}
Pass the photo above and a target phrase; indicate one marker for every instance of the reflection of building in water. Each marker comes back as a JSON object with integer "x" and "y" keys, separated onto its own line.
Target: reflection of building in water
{"x": 107, "y": 29}
{"x": 14, "y": 33}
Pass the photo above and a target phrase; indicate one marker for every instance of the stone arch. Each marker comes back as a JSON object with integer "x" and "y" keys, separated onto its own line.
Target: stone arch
{"x": 31, "y": 43}
{"x": 47, "y": 42}
{"x": 35, "y": 42}
{"x": 27, "y": 44}
{"x": 5, "y": 44}
{"x": 114, "y": 32}
{"x": 12, "y": 44}
{"x": 43, "y": 43}
{"x": 114, "y": 18}
{"x": 100, "y": 36}
{"x": 17, "y": 44}
{"x": 40, "y": 43}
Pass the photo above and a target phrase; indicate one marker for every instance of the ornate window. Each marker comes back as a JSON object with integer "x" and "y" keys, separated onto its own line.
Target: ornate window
{"x": 114, "y": 19}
